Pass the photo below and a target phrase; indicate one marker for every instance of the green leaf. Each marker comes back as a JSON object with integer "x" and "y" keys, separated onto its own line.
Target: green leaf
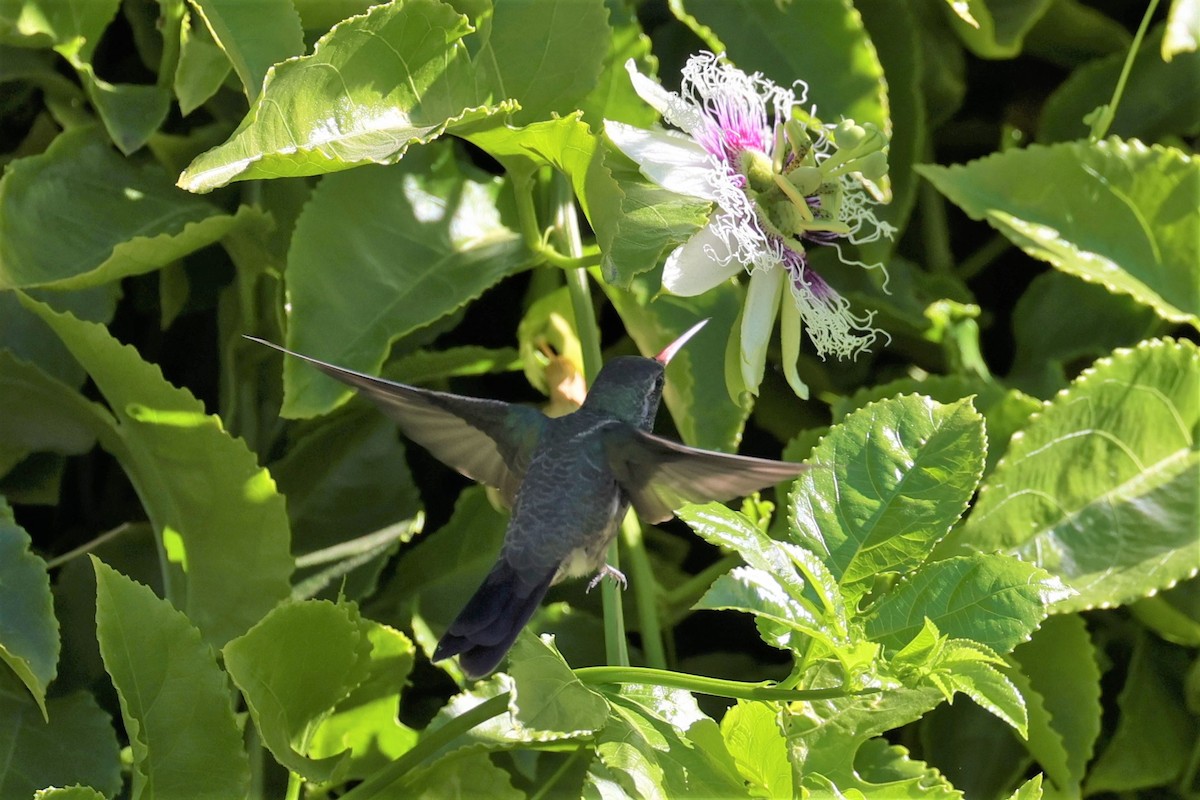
{"x": 365, "y": 722}
{"x": 1051, "y": 345}
{"x": 992, "y": 691}
{"x": 43, "y": 23}
{"x": 222, "y": 525}
{"x": 1030, "y": 790}
{"x": 695, "y": 391}
{"x": 442, "y": 245}
{"x": 372, "y": 86}
{"x": 824, "y": 736}
{"x": 253, "y": 35}
{"x": 1072, "y": 33}
{"x": 77, "y": 745}
{"x": 1155, "y": 735}
{"x": 1122, "y": 214}
{"x": 174, "y": 698}
{"x": 994, "y": 29}
{"x": 645, "y": 749}
{"x": 566, "y": 144}
{"x": 39, "y": 413}
{"x": 428, "y": 366}
{"x": 613, "y": 96}
{"x": 459, "y": 776}
{"x": 885, "y": 771}
{"x": 1100, "y": 488}
{"x": 994, "y": 600}
{"x": 754, "y": 737}
{"x": 1004, "y": 410}
{"x": 346, "y": 476}
{"x": 1059, "y": 666}
{"x": 29, "y": 641}
{"x": 757, "y": 592}
{"x": 547, "y": 55}
{"x": 290, "y": 692}
{"x": 890, "y": 480}
{"x": 649, "y": 220}
{"x": 547, "y": 703}
{"x": 202, "y": 66}
{"x": 433, "y": 577}
{"x": 1148, "y": 110}
{"x": 80, "y": 215}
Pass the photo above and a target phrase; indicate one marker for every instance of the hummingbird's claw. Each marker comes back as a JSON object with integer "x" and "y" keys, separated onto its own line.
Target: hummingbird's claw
{"x": 606, "y": 571}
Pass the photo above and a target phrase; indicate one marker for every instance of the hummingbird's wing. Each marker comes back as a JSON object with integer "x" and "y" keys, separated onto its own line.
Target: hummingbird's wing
{"x": 489, "y": 441}
{"x": 659, "y": 475}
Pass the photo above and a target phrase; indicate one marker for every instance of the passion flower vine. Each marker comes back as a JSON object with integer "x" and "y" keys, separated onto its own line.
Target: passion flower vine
{"x": 780, "y": 181}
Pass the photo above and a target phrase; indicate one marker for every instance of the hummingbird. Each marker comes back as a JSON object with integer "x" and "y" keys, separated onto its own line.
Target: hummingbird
{"x": 568, "y": 480}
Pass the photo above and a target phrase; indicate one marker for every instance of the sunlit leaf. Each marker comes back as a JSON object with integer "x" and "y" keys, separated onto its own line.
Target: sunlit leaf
{"x": 752, "y": 733}
{"x": 373, "y": 86}
{"x": 891, "y": 480}
{"x": 287, "y": 690}
{"x": 365, "y": 722}
{"x": 174, "y": 697}
{"x": 1101, "y": 487}
{"x": 992, "y": 599}
{"x": 1122, "y": 214}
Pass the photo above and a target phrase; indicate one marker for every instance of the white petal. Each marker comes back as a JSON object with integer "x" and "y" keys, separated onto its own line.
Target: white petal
{"x": 758, "y": 320}
{"x": 691, "y": 269}
{"x": 674, "y": 108}
{"x": 789, "y": 337}
{"x": 647, "y": 89}
{"x": 672, "y": 161}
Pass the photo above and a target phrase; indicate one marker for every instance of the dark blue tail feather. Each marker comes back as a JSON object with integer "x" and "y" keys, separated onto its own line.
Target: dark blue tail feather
{"x": 488, "y": 625}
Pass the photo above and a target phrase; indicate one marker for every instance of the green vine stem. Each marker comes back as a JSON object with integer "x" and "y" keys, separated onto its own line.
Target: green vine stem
{"x": 741, "y": 690}
{"x": 645, "y": 592}
{"x": 429, "y": 745}
{"x": 1101, "y": 119}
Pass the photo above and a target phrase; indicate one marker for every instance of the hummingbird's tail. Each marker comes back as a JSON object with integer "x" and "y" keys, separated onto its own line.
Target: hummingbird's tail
{"x": 486, "y": 628}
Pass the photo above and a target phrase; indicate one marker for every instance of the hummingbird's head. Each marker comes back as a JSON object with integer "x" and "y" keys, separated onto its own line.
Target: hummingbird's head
{"x": 630, "y": 387}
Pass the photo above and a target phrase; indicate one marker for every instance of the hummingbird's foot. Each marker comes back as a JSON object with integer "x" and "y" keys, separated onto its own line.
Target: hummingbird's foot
{"x": 606, "y": 571}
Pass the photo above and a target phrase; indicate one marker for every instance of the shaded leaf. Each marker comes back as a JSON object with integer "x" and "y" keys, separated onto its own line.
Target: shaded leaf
{"x": 994, "y": 29}
{"x": 1122, "y": 214}
{"x": 1059, "y": 666}
{"x": 80, "y": 215}
{"x": 1154, "y": 736}
{"x": 202, "y": 66}
{"x": 287, "y": 690}
{"x": 29, "y": 641}
{"x": 174, "y": 697}
{"x": 254, "y": 35}
{"x": 1101, "y": 487}
{"x": 438, "y": 243}
{"x": 77, "y": 745}
{"x": 1148, "y": 110}
{"x": 891, "y": 480}
{"x": 215, "y": 510}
